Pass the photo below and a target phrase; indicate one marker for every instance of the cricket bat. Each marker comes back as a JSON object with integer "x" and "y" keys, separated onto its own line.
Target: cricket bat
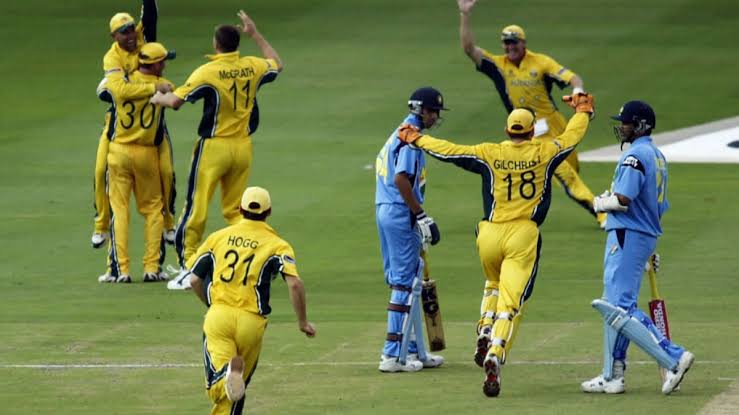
{"x": 657, "y": 309}
{"x": 431, "y": 311}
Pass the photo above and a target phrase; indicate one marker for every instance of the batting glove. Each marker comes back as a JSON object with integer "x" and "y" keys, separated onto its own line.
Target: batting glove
{"x": 608, "y": 202}
{"x": 428, "y": 229}
{"x": 652, "y": 263}
{"x": 408, "y": 133}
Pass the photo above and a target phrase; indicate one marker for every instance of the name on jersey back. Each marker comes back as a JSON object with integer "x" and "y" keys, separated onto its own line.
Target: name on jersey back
{"x": 236, "y": 73}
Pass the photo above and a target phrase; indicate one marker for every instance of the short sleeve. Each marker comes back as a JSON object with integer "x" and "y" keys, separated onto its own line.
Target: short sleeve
{"x": 204, "y": 249}
{"x": 185, "y": 91}
{"x": 407, "y": 161}
{"x": 630, "y": 177}
{"x": 553, "y": 69}
{"x": 288, "y": 265}
{"x": 266, "y": 70}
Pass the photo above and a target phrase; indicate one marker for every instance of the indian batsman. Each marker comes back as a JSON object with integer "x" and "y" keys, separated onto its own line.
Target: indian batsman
{"x": 516, "y": 187}
{"x": 635, "y": 205}
{"x": 400, "y": 173}
{"x": 232, "y": 274}
{"x": 119, "y": 63}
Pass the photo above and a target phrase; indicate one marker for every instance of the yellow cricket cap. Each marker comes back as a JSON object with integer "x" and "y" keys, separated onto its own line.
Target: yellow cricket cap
{"x": 121, "y": 21}
{"x": 520, "y": 121}
{"x": 513, "y": 32}
{"x": 256, "y": 200}
{"x": 154, "y": 52}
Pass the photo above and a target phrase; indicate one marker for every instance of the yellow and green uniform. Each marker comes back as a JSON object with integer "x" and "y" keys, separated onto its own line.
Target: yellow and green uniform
{"x": 138, "y": 129}
{"x": 228, "y": 85}
{"x": 238, "y": 264}
{"x": 529, "y": 85}
{"x": 118, "y": 65}
{"x": 516, "y": 189}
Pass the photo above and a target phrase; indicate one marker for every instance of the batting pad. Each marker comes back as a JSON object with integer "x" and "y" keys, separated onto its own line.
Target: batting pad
{"x": 635, "y": 331}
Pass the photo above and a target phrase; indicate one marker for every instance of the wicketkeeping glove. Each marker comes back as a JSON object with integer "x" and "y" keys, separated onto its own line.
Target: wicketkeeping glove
{"x": 581, "y": 102}
{"x": 608, "y": 202}
{"x": 429, "y": 230}
{"x": 408, "y": 133}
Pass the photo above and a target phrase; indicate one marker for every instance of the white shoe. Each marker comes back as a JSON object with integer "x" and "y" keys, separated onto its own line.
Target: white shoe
{"x": 674, "y": 377}
{"x": 599, "y": 385}
{"x": 98, "y": 239}
{"x": 234, "y": 381}
{"x": 432, "y": 360}
{"x": 181, "y": 281}
{"x": 120, "y": 279}
{"x": 168, "y": 236}
{"x": 391, "y": 364}
{"x": 491, "y": 385}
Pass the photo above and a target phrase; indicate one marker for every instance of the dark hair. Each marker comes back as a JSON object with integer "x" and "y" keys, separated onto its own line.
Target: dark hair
{"x": 227, "y": 38}
{"x": 256, "y": 216}
{"x": 520, "y": 135}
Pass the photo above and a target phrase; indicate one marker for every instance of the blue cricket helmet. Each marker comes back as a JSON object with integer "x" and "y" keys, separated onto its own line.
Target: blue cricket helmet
{"x": 638, "y": 113}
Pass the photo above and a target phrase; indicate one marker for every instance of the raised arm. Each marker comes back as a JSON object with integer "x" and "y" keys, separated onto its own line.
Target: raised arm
{"x": 149, "y": 17}
{"x": 466, "y": 38}
{"x": 583, "y": 104}
{"x": 250, "y": 29}
{"x": 297, "y": 298}
{"x": 470, "y": 158}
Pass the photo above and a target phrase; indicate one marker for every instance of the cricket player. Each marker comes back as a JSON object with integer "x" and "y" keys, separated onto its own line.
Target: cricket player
{"x": 516, "y": 187}
{"x": 228, "y": 85}
{"x": 133, "y": 164}
{"x": 232, "y": 273}
{"x": 400, "y": 173}
{"x": 119, "y": 63}
{"x": 635, "y": 205}
{"x": 524, "y": 79}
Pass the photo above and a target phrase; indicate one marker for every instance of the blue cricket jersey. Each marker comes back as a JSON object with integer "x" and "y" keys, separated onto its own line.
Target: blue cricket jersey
{"x": 397, "y": 157}
{"x": 641, "y": 175}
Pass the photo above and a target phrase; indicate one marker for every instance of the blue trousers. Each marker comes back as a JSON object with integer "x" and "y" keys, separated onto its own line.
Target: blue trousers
{"x": 400, "y": 244}
{"x": 625, "y": 255}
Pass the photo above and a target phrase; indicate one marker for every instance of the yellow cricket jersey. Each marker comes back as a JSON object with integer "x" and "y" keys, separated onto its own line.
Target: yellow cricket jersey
{"x": 228, "y": 84}
{"x": 135, "y": 119}
{"x": 119, "y": 64}
{"x": 239, "y": 263}
{"x": 516, "y": 177}
{"x": 527, "y": 85}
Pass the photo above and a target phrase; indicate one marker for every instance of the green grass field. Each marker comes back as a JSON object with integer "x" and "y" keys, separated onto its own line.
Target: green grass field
{"x": 350, "y": 66}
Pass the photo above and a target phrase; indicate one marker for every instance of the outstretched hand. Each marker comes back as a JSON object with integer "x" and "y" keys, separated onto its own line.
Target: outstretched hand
{"x": 465, "y": 5}
{"x": 247, "y": 24}
{"x": 408, "y": 133}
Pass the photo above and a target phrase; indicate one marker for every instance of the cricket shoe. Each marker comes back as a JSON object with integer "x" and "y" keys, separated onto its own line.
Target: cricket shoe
{"x": 432, "y": 360}
{"x": 599, "y": 385}
{"x": 234, "y": 381}
{"x": 483, "y": 345}
{"x": 181, "y": 281}
{"x": 390, "y": 364}
{"x": 674, "y": 377}
{"x": 126, "y": 279}
{"x": 491, "y": 385}
{"x": 155, "y": 277}
{"x": 169, "y": 236}
{"x": 98, "y": 239}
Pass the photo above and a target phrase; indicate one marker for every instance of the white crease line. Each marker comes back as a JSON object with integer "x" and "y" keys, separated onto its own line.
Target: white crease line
{"x": 293, "y": 364}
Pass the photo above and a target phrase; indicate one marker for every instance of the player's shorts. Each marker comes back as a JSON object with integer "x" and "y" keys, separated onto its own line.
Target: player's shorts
{"x": 400, "y": 243}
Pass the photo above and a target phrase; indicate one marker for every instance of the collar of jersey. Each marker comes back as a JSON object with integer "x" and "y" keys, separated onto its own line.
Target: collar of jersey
{"x": 643, "y": 139}
{"x": 230, "y": 55}
{"x": 414, "y": 120}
